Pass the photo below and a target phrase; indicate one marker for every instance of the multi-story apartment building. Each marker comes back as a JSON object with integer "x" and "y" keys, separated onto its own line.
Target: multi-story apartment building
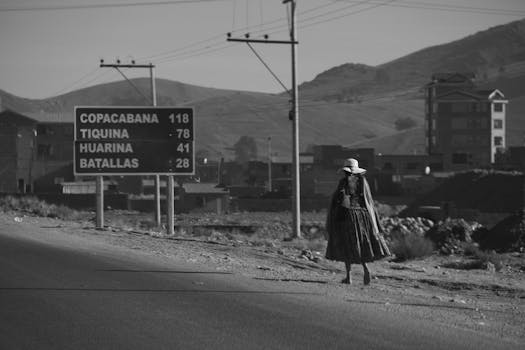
{"x": 464, "y": 124}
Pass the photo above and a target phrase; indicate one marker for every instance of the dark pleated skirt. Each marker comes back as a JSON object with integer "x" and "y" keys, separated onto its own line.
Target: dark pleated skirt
{"x": 352, "y": 238}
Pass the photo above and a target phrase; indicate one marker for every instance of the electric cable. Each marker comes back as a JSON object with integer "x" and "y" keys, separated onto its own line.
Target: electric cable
{"x": 97, "y": 6}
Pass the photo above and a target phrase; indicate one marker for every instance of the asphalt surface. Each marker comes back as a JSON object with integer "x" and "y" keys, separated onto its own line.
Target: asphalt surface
{"x": 77, "y": 295}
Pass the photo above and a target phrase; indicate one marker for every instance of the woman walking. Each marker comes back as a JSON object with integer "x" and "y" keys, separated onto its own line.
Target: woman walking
{"x": 352, "y": 223}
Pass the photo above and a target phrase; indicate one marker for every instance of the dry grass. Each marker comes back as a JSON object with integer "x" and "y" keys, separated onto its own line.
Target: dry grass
{"x": 34, "y": 206}
{"x": 410, "y": 246}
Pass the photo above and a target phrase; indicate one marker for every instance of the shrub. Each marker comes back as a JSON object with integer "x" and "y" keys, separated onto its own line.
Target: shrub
{"x": 410, "y": 246}
{"x": 405, "y": 123}
{"x": 486, "y": 256}
{"x": 37, "y": 207}
{"x": 481, "y": 259}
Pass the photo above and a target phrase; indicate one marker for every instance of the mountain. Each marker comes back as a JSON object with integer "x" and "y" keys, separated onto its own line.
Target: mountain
{"x": 116, "y": 93}
{"x": 223, "y": 116}
{"x": 496, "y": 55}
{"x": 489, "y": 54}
{"x": 353, "y": 104}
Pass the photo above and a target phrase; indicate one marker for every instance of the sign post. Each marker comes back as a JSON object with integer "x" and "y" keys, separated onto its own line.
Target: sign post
{"x": 134, "y": 141}
{"x": 100, "y": 201}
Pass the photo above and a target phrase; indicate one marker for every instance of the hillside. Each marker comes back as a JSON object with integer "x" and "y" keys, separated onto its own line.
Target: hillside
{"x": 411, "y": 141}
{"x": 496, "y": 55}
{"x": 116, "y": 93}
{"x": 223, "y": 116}
{"x": 490, "y": 54}
{"x": 353, "y": 104}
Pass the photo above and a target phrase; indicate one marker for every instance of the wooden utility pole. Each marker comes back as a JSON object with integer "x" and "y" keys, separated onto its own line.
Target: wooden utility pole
{"x": 100, "y": 201}
{"x": 294, "y": 112}
{"x": 269, "y": 164}
{"x": 296, "y": 185}
{"x": 153, "y": 101}
{"x": 157, "y": 177}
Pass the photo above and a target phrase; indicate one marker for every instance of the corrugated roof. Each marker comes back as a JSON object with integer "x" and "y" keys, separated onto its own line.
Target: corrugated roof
{"x": 200, "y": 187}
{"x": 303, "y": 159}
{"x": 50, "y": 117}
{"x": 453, "y": 76}
{"x": 15, "y": 118}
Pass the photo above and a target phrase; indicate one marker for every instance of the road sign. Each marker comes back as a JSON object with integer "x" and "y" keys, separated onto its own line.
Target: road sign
{"x": 134, "y": 141}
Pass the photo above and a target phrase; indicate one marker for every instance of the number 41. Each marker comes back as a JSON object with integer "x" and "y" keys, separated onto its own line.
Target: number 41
{"x": 183, "y": 147}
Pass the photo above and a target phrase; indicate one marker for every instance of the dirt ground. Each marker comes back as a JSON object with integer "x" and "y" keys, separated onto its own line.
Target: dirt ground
{"x": 481, "y": 300}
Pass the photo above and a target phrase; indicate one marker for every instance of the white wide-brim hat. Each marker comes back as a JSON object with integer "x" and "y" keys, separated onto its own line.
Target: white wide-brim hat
{"x": 351, "y": 165}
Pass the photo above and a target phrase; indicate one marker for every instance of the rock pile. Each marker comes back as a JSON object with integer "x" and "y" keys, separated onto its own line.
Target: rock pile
{"x": 450, "y": 234}
{"x": 507, "y": 235}
{"x": 405, "y": 226}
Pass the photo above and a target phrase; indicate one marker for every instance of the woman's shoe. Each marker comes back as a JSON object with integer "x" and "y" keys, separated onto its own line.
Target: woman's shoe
{"x": 366, "y": 278}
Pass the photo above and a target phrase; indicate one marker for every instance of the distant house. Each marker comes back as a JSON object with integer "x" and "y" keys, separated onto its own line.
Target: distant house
{"x": 36, "y": 151}
{"x": 464, "y": 124}
{"x": 17, "y": 152}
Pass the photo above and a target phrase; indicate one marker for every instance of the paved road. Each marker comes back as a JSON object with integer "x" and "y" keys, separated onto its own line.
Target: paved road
{"x": 56, "y": 296}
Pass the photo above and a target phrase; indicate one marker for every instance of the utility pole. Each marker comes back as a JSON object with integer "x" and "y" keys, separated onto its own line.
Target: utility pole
{"x": 294, "y": 111}
{"x": 153, "y": 101}
{"x": 269, "y": 164}
{"x": 296, "y": 188}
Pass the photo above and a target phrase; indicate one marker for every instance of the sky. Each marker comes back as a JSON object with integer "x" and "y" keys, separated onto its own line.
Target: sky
{"x": 51, "y": 47}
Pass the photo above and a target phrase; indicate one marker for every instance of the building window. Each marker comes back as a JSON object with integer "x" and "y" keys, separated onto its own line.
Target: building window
{"x": 412, "y": 166}
{"x": 44, "y": 130}
{"x": 460, "y": 107}
{"x": 41, "y": 130}
{"x": 473, "y": 124}
{"x": 436, "y": 166}
{"x": 498, "y": 123}
{"x": 44, "y": 151}
{"x": 388, "y": 166}
{"x": 498, "y": 107}
{"x": 459, "y": 123}
{"x": 498, "y": 141}
{"x": 458, "y": 140}
{"x": 459, "y": 158}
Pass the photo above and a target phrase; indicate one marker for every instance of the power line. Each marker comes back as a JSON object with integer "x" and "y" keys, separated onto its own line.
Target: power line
{"x": 97, "y": 6}
{"x": 71, "y": 85}
{"x": 347, "y": 14}
{"x": 194, "y": 53}
{"x": 202, "y": 51}
{"x": 133, "y": 85}
{"x": 96, "y": 77}
{"x": 173, "y": 51}
{"x": 185, "y": 53}
{"x": 452, "y": 8}
{"x": 218, "y": 39}
{"x": 268, "y": 68}
{"x": 211, "y": 48}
